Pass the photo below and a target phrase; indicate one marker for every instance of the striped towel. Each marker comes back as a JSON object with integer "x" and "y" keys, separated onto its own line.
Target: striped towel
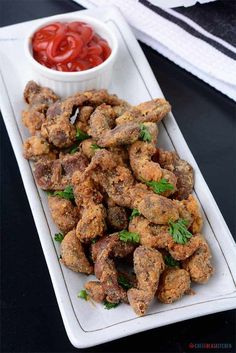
{"x": 201, "y": 38}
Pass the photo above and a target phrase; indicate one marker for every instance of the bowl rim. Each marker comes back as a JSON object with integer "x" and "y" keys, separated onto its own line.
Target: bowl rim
{"x": 62, "y": 74}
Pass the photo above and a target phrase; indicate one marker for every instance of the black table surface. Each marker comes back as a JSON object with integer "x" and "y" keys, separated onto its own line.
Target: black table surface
{"x": 30, "y": 318}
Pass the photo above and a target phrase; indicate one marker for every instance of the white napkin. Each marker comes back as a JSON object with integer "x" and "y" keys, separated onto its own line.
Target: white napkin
{"x": 184, "y": 49}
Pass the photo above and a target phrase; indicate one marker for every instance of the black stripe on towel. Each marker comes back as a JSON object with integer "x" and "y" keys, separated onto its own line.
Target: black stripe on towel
{"x": 189, "y": 29}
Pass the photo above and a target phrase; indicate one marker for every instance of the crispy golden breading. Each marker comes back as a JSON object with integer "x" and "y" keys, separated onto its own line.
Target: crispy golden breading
{"x": 73, "y": 256}
{"x": 95, "y": 291}
{"x": 174, "y": 283}
{"x": 83, "y": 116}
{"x": 189, "y": 210}
{"x": 63, "y": 212}
{"x": 182, "y": 170}
{"x": 101, "y": 121}
{"x": 36, "y": 148}
{"x": 106, "y": 272}
{"x": 151, "y": 111}
{"x": 145, "y": 169}
{"x": 199, "y": 264}
{"x": 39, "y": 99}
{"x": 148, "y": 265}
{"x": 57, "y": 174}
{"x": 117, "y": 217}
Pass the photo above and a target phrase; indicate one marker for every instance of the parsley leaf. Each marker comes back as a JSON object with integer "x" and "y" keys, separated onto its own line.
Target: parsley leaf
{"x": 123, "y": 282}
{"x": 74, "y": 149}
{"x": 108, "y": 305}
{"x": 159, "y": 186}
{"x": 81, "y": 135}
{"x": 145, "y": 134}
{"x": 126, "y": 236}
{"x": 179, "y": 231}
{"x": 83, "y": 294}
{"x": 94, "y": 240}
{"x": 95, "y": 147}
{"x": 58, "y": 237}
{"x": 169, "y": 261}
{"x": 66, "y": 194}
{"x": 134, "y": 213}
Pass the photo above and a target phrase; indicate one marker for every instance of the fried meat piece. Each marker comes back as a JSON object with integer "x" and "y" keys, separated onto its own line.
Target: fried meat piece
{"x": 73, "y": 255}
{"x": 174, "y": 283}
{"x": 145, "y": 169}
{"x": 199, "y": 264}
{"x": 182, "y": 170}
{"x": 189, "y": 209}
{"x": 64, "y": 214}
{"x": 119, "y": 248}
{"x": 115, "y": 180}
{"x": 95, "y": 291}
{"x": 39, "y": 99}
{"x": 106, "y": 272}
{"x": 148, "y": 265}
{"x": 82, "y": 119}
{"x": 101, "y": 121}
{"x": 87, "y": 148}
{"x": 57, "y": 174}
{"x": 117, "y": 217}
{"x": 93, "y": 213}
{"x": 121, "y": 135}
{"x": 156, "y": 208}
{"x": 36, "y": 148}
{"x": 157, "y": 236}
{"x": 151, "y": 111}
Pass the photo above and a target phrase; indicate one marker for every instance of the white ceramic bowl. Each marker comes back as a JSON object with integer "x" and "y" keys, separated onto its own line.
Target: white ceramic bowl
{"x": 67, "y": 83}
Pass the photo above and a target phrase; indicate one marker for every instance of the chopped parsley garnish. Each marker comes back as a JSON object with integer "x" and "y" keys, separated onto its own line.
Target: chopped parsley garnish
{"x": 94, "y": 240}
{"x": 169, "y": 261}
{"x": 160, "y": 186}
{"x": 134, "y": 213}
{"x": 179, "y": 231}
{"x": 66, "y": 194}
{"x": 73, "y": 150}
{"x": 145, "y": 134}
{"x": 58, "y": 237}
{"x": 123, "y": 282}
{"x": 126, "y": 236}
{"x": 108, "y": 305}
{"x": 95, "y": 147}
{"x": 81, "y": 135}
{"x": 83, "y": 294}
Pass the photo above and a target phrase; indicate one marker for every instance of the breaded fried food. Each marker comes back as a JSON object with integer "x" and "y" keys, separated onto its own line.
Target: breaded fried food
{"x": 38, "y": 99}
{"x": 174, "y": 283}
{"x": 151, "y": 111}
{"x": 36, "y": 148}
{"x": 182, "y": 170}
{"x": 117, "y": 217}
{"x": 95, "y": 291}
{"x": 73, "y": 255}
{"x": 106, "y": 272}
{"x": 199, "y": 264}
{"x": 57, "y": 174}
{"x": 64, "y": 214}
{"x": 140, "y": 154}
{"x": 148, "y": 265}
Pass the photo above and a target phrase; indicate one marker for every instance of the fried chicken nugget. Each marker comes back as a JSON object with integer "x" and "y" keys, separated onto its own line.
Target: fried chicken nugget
{"x": 73, "y": 256}
{"x": 174, "y": 283}
{"x": 148, "y": 265}
{"x": 95, "y": 291}
{"x": 199, "y": 264}
{"x": 64, "y": 214}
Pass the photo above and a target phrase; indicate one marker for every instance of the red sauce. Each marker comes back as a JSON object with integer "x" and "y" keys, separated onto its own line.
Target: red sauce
{"x": 69, "y": 47}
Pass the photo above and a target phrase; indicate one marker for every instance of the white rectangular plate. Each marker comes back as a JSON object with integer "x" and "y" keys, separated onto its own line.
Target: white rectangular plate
{"x": 133, "y": 80}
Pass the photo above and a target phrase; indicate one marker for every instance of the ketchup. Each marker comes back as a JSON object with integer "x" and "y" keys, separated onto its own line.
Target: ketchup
{"x": 69, "y": 47}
